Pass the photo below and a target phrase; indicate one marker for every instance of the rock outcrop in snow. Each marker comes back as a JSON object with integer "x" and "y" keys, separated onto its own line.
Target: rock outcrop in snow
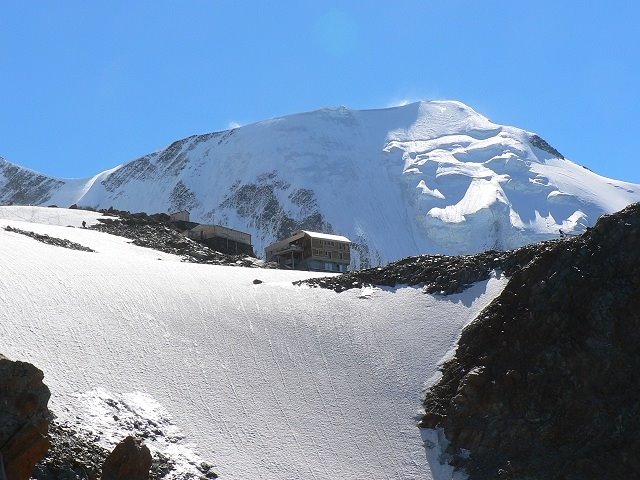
{"x": 545, "y": 382}
{"x": 70, "y": 455}
{"x": 158, "y": 233}
{"x": 437, "y": 274}
{"x": 429, "y": 177}
{"x": 130, "y": 460}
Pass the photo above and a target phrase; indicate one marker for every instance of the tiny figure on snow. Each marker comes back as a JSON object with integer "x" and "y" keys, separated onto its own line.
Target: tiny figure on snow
{"x": 84, "y": 224}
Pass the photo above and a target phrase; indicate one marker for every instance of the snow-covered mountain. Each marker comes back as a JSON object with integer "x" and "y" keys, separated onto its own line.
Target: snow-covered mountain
{"x": 267, "y": 381}
{"x": 428, "y": 177}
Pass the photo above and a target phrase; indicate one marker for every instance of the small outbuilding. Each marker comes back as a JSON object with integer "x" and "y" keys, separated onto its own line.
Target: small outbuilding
{"x": 306, "y": 250}
{"x": 222, "y": 239}
{"x": 181, "y": 216}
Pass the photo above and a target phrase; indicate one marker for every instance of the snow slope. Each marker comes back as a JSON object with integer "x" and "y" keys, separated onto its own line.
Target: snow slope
{"x": 268, "y": 381}
{"x": 429, "y": 177}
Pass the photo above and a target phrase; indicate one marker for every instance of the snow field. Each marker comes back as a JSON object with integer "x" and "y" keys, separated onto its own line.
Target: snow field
{"x": 427, "y": 177}
{"x": 266, "y": 381}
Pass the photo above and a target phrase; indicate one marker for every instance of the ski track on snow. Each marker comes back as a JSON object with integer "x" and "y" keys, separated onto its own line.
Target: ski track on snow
{"x": 266, "y": 381}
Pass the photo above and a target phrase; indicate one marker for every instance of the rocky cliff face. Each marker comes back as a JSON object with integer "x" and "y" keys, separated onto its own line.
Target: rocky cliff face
{"x": 24, "y": 418}
{"x": 24, "y": 187}
{"x": 545, "y": 383}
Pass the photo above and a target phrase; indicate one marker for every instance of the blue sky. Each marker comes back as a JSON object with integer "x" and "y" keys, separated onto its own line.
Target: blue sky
{"x": 89, "y": 85}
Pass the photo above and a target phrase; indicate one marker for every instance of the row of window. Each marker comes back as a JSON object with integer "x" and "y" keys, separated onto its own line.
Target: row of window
{"x": 328, "y": 266}
{"x": 322, "y": 253}
{"x": 330, "y": 243}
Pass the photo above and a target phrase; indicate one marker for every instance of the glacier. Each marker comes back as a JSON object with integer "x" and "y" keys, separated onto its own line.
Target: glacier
{"x": 427, "y": 177}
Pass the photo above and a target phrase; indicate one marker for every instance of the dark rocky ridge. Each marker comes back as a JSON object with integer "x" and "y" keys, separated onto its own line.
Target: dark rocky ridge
{"x": 545, "y": 383}
{"x": 442, "y": 274}
{"x": 58, "y": 242}
{"x": 75, "y": 455}
{"x": 70, "y": 456}
{"x": 156, "y": 232}
{"x": 25, "y": 187}
{"x": 542, "y": 144}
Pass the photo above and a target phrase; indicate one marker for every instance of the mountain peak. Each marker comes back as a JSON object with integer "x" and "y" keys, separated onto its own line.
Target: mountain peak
{"x": 427, "y": 177}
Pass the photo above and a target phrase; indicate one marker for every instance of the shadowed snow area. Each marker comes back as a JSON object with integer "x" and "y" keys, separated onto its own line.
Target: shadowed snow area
{"x": 265, "y": 381}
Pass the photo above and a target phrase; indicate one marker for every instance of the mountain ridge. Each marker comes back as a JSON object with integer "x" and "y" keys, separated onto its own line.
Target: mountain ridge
{"x": 427, "y": 177}
{"x": 272, "y": 379}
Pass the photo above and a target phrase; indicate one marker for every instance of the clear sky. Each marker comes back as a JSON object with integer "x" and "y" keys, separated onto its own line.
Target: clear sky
{"x": 87, "y": 85}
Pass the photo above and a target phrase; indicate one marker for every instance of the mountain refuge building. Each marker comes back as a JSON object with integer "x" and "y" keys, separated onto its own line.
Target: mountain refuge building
{"x": 305, "y": 250}
{"x": 219, "y": 238}
{"x": 222, "y": 239}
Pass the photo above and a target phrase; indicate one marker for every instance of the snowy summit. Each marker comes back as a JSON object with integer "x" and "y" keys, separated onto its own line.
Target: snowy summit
{"x": 428, "y": 177}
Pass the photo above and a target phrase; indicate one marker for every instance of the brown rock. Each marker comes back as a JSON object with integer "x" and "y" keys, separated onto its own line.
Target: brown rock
{"x": 130, "y": 460}
{"x": 24, "y": 418}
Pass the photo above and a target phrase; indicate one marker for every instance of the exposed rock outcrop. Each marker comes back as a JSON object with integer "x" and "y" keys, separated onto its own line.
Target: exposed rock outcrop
{"x": 25, "y": 187}
{"x": 542, "y": 144}
{"x": 24, "y": 418}
{"x": 442, "y": 274}
{"x": 71, "y": 456}
{"x": 76, "y": 455}
{"x": 545, "y": 383}
{"x": 130, "y": 460}
{"x": 155, "y": 231}
{"x": 58, "y": 242}
{"x": 260, "y": 204}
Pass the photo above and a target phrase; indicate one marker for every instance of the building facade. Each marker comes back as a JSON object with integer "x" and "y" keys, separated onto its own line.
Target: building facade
{"x": 222, "y": 239}
{"x": 181, "y": 216}
{"x": 306, "y": 250}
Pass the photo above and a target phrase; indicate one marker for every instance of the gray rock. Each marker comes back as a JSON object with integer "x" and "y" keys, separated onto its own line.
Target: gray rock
{"x": 545, "y": 383}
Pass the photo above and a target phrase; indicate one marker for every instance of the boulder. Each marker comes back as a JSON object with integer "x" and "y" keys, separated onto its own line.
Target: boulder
{"x": 130, "y": 460}
{"x": 24, "y": 418}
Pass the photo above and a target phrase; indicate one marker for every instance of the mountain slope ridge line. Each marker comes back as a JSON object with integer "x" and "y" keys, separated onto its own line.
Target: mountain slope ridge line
{"x": 371, "y": 175}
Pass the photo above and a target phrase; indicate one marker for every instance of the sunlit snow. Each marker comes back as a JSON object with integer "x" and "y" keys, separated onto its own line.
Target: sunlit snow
{"x": 426, "y": 177}
{"x": 266, "y": 381}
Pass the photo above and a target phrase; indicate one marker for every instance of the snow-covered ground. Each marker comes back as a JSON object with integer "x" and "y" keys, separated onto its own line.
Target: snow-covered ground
{"x": 266, "y": 381}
